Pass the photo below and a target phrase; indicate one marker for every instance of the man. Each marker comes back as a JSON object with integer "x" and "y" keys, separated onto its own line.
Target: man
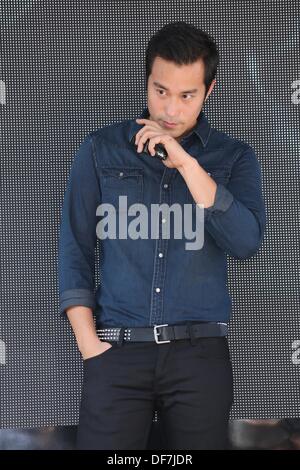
{"x": 161, "y": 310}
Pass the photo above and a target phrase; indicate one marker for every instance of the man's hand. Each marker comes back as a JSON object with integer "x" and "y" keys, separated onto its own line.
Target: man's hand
{"x": 82, "y": 322}
{"x": 94, "y": 348}
{"x": 177, "y": 156}
{"x": 201, "y": 186}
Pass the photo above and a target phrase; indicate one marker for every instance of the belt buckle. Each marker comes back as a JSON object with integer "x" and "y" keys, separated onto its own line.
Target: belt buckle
{"x": 156, "y": 334}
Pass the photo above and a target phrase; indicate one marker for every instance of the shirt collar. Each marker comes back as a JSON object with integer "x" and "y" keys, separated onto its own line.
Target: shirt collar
{"x": 202, "y": 128}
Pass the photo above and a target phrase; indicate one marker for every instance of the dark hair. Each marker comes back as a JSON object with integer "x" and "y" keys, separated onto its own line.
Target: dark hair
{"x": 183, "y": 43}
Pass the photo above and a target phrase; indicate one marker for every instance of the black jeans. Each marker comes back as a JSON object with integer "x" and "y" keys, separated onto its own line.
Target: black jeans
{"x": 191, "y": 386}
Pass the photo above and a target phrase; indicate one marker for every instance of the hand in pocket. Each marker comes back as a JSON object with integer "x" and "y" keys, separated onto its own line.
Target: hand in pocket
{"x": 95, "y": 350}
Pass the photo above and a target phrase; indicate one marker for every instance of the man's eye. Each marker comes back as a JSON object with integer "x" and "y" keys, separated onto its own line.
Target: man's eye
{"x": 162, "y": 91}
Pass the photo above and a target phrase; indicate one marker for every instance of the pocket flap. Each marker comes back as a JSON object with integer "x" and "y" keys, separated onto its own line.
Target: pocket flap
{"x": 121, "y": 172}
{"x": 219, "y": 173}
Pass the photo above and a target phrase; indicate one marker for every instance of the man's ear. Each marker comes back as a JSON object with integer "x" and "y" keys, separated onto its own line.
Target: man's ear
{"x": 211, "y": 87}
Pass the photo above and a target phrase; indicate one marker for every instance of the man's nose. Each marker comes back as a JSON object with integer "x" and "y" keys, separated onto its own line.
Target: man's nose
{"x": 172, "y": 109}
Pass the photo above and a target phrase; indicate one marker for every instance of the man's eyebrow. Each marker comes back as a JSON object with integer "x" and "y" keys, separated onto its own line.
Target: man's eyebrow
{"x": 164, "y": 88}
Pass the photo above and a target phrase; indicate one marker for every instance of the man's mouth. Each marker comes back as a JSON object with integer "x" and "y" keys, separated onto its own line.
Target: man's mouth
{"x": 169, "y": 124}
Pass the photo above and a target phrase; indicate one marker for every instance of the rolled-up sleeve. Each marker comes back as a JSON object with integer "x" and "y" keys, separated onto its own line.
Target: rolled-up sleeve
{"x": 237, "y": 219}
{"x": 77, "y": 237}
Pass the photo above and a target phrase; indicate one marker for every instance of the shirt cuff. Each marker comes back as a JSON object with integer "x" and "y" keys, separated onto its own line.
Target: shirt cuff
{"x": 223, "y": 200}
{"x": 72, "y": 297}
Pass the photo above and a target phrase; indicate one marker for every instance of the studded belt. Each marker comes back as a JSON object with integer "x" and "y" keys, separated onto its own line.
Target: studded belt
{"x": 162, "y": 333}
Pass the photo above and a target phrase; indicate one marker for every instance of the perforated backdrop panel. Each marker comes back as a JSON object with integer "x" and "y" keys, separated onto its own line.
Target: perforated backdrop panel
{"x": 72, "y": 67}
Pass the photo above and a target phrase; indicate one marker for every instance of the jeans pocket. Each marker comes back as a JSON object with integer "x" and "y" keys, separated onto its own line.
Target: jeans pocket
{"x": 93, "y": 359}
{"x": 215, "y": 348}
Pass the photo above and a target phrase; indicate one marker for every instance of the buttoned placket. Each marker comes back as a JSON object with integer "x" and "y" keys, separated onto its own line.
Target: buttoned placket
{"x": 161, "y": 248}
{"x": 160, "y": 256}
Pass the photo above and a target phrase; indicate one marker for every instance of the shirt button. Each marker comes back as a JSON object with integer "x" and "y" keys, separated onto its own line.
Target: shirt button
{"x": 121, "y": 173}
{"x": 166, "y": 185}
{"x": 160, "y": 255}
{"x": 163, "y": 221}
{"x": 157, "y": 289}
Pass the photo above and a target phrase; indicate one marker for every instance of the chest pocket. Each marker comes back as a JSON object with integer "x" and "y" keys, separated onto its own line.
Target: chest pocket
{"x": 121, "y": 181}
{"x": 219, "y": 174}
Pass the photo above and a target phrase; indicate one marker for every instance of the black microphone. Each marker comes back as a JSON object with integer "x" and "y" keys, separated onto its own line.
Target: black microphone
{"x": 160, "y": 151}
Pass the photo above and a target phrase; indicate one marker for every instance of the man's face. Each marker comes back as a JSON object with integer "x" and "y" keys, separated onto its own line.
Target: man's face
{"x": 176, "y": 94}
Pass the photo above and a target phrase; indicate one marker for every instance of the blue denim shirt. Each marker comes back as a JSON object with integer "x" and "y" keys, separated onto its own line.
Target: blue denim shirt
{"x": 146, "y": 282}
